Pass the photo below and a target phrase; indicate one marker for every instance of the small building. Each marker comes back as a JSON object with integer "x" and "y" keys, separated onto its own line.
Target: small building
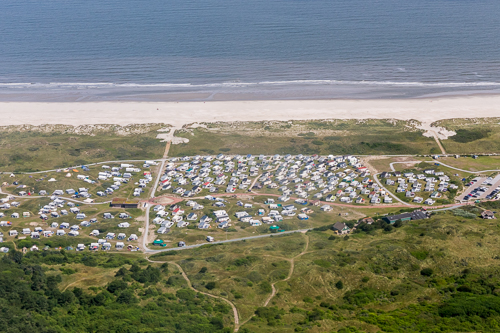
{"x": 341, "y": 228}
{"x": 488, "y": 214}
{"x": 367, "y": 220}
{"x": 123, "y": 203}
{"x": 415, "y": 215}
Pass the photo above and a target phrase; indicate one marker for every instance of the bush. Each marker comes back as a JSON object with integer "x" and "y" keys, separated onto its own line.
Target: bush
{"x": 484, "y": 306}
{"x": 127, "y": 297}
{"x": 426, "y": 272}
{"x": 339, "y": 285}
{"x": 463, "y": 213}
{"x": 210, "y": 285}
{"x": 265, "y": 287}
{"x": 420, "y": 255}
{"x": 365, "y": 279}
{"x": 466, "y": 136}
{"x": 322, "y": 263}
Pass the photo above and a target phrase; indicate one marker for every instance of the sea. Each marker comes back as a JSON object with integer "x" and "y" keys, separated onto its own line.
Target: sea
{"x": 187, "y": 50}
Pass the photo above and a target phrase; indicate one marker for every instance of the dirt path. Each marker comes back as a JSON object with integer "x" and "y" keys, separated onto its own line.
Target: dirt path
{"x": 438, "y": 143}
{"x": 184, "y": 275}
{"x": 167, "y": 148}
{"x": 290, "y": 273}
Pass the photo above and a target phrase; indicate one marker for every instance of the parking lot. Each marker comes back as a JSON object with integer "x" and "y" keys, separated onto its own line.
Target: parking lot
{"x": 481, "y": 188}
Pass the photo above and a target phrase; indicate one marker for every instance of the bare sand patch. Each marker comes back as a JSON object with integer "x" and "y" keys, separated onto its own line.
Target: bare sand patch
{"x": 425, "y": 110}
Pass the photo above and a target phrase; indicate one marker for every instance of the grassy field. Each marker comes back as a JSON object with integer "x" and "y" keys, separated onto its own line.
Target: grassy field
{"x": 30, "y": 148}
{"x": 306, "y": 137}
{"x": 468, "y": 163}
{"x": 474, "y": 136}
{"x": 383, "y": 284}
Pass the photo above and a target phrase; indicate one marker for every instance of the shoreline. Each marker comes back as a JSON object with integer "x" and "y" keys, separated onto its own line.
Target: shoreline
{"x": 178, "y": 114}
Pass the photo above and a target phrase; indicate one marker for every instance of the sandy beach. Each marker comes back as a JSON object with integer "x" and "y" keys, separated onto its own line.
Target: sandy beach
{"x": 181, "y": 113}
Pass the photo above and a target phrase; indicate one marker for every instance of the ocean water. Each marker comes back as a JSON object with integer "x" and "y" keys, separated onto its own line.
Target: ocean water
{"x": 234, "y": 49}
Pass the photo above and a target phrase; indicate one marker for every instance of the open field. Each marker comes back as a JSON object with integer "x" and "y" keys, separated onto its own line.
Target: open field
{"x": 474, "y": 135}
{"x": 306, "y": 137}
{"x": 469, "y": 163}
{"x": 383, "y": 283}
{"x": 30, "y": 148}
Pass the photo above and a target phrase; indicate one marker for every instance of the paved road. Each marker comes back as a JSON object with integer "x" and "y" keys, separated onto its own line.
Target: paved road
{"x": 148, "y": 205}
{"x": 446, "y": 208}
{"x": 391, "y": 165}
{"x": 48, "y": 196}
{"x": 78, "y": 166}
{"x": 468, "y": 171}
{"x": 392, "y": 194}
{"x": 224, "y": 241}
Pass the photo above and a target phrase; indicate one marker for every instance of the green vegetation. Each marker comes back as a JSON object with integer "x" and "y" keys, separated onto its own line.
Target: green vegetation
{"x": 412, "y": 278}
{"x": 306, "y": 137}
{"x": 136, "y": 300}
{"x": 48, "y": 147}
{"x": 474, "y": 136}
{"x": 466, "y": 136}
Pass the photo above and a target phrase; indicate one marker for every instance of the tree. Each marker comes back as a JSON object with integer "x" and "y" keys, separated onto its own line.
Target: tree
{"x": 117, "y": 285}
{"x": 135, "y": 268}
{"x": 127, "y": 297}
{"x": 339, "y": 285}
{"x": 203, "y": 270}
{"x": 121, "y": 272}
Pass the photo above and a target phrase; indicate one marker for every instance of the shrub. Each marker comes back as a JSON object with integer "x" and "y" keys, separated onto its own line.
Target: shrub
{"x": 265, "y": 287}
{"x": 426, "y": 272}
{"x": 466, "y": 136}
{"x": 322, "y": 263}
{"x": 339, "y": 285}
{"x": 210, "y": 285}
{"x": 484, "y": 306}
{"x": 420, "y": 255}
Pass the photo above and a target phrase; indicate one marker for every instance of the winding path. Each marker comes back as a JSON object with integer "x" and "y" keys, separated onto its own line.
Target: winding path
{"x": 273, "y": 292}
{"x": 392, "y": 194}
{"x": 190, "y": 285}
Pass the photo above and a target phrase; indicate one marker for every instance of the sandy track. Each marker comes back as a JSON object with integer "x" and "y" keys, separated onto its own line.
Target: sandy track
{"x": 178, "y": 114}
{"x": 184, "y": 275}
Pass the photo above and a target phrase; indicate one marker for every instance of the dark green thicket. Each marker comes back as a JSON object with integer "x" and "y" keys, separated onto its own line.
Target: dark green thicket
{"x": 465, "y": 136}
{"x": 30, "y": 301}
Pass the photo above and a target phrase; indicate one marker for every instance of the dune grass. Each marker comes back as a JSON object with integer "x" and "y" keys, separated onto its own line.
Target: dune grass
{"x": 306, "y": 137}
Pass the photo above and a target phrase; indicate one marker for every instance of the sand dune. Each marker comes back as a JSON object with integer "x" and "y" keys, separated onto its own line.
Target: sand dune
{"x": 179, "y": 114}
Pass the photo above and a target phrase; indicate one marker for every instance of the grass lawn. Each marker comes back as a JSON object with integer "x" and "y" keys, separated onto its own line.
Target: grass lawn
{"x": 468, "y": 163}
